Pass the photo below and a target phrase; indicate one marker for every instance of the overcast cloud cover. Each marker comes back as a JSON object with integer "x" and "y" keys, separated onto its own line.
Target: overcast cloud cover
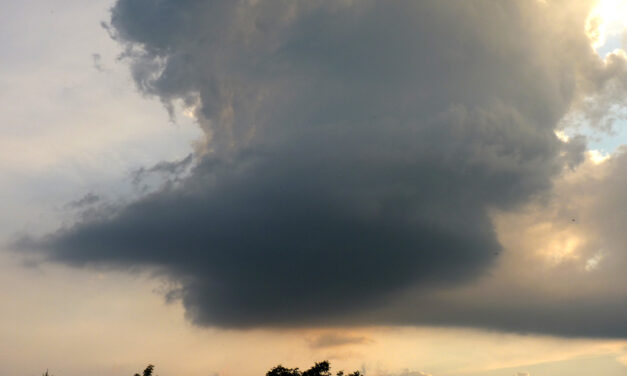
{"x": 355, "y": 155}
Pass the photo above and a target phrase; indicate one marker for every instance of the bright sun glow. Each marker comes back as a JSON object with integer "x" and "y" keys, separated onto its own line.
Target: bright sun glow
{"x": 608, "y": 19}
{"x": 561, "y": 248}
{"x": 597, "y": 156}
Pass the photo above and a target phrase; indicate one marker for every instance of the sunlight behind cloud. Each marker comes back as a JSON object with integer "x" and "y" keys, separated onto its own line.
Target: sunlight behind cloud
{"x": 560, "y": 248}
{"x": 597, "y": 156}
{"x": 608, "y": 19}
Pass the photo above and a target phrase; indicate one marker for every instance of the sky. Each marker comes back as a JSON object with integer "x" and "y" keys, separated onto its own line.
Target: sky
{"x": 403, "y": 188}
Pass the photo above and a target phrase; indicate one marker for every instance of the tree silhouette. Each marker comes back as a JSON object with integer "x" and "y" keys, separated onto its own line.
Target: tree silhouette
{"x": 319, "y": 369}
{"x": 147, "y": 371}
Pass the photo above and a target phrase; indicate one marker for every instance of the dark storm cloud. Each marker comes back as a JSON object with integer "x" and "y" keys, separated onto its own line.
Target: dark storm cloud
{"x": 581, "y": 292}
{"x": 271, "y": 239}
{"x": 520, "y": 310}
{"x": 353, "y": 148}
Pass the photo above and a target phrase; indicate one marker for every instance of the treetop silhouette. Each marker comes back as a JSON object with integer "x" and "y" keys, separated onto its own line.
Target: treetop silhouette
{"x": 147, "y": 371}
{"x": 319, "y": 369}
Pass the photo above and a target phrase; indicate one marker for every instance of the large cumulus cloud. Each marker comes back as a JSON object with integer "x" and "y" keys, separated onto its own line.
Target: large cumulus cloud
{"x": 353, "y": 149}
{"x": 563, "y": 268}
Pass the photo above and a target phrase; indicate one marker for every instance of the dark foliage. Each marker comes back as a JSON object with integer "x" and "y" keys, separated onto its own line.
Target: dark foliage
{"x": 147, "y": 371}
{"x": 319, "y": 369}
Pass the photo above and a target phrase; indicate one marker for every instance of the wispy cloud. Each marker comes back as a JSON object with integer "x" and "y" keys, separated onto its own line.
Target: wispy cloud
{"x": 336, "y": 340}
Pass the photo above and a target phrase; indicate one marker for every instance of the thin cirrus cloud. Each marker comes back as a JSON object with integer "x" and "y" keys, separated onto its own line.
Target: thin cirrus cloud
{"x": 353, "y": 152}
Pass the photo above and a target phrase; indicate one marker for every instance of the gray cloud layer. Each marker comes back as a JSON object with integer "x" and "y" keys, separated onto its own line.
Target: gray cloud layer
{"x": 353, "y": 149}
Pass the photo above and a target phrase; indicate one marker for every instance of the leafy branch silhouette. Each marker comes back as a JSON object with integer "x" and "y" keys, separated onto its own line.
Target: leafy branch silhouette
{"x": 147, "y": 371}
{"x": 319, "y": 369}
